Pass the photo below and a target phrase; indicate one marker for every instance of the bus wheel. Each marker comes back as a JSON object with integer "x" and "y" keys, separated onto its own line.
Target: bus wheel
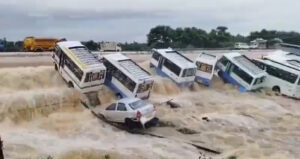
{"x": 55, "y": 67}
{"x": 276, "y": 89}
{"x": 70, "y": 85}
{"x": 119, "y": 96}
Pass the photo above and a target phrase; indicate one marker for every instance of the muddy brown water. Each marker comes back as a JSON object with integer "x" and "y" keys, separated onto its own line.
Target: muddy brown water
{"x": 41, "y": 117}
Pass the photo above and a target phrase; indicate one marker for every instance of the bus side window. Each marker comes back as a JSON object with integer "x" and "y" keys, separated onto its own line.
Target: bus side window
{"x": 242, "y": 74}
{"x": 299, "y": 82}
{"x": 281, "y": 74}
{"x": 172, "y": 67}
{"x": 156, "y": 56}
{"x": 224, "y": 61}
{"x": 259, "y": 64}
{"x": 57, "y": 51}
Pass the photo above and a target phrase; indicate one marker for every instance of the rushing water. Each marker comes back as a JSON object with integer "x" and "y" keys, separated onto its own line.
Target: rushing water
{"x": 40, "y": 116}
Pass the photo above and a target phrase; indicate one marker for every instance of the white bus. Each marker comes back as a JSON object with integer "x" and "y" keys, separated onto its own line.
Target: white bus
{"x": 78, "y": 66}
{"x": 205, "y": 68}
{"x": 174, "y": 65}
{"x": 238, "y": 70}
{"x": 241, "y": 46}
{"x": 283, "y": 70}
{"x": 126, "y": 78}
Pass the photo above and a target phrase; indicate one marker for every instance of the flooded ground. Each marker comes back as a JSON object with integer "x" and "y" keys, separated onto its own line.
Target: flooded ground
{"x": 41, "y": 117}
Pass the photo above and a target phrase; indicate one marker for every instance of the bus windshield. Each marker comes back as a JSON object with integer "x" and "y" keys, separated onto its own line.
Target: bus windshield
{"x": 94, "y": 76}
{"x": 204, "y": 67}
{"x": 144, "y": 87}
{"x": 259, "y": 80}
{"x": 189, "y": 72}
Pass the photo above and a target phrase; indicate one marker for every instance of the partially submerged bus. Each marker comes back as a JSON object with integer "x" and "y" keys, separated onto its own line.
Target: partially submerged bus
{"x": 172, "y": 64}
{"x": 78, "y": 66}
{"x": 126, "y": 78}
{"x": 283, "y": 70}
{"x": 205, "y": 68}
{"x": 238, "y": 70}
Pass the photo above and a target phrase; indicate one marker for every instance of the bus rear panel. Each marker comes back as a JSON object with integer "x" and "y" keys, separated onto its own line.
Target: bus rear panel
{"x": 205, "y": 68}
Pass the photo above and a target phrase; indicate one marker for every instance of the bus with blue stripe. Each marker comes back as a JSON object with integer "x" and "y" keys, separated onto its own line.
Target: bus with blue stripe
{"x": 205, "y": 68}
{"x": 172, "y": 64}
{"x": 238, "y": 70}
{"x": 126, "y": 78}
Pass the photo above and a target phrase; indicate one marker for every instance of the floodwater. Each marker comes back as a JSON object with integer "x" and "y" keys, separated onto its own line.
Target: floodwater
{"x": 41, "y": 117}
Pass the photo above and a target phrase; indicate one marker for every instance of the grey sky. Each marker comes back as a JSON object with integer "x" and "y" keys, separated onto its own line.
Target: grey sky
{"x": 131, "y": 20}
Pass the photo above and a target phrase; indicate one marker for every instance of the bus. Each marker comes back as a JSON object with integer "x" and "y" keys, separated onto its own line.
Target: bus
{"x": 78, "y": 66}
{"x": 205, "y": 68}
{"x": 126, "y": 78}
{"x": 238, "y": 70}
{"x": 283, "y": 70}
{"x": 172, "y": 64}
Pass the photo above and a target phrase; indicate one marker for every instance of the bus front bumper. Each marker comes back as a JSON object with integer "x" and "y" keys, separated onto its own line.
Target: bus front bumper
{"x": 91, "y": 89}
{"x": 204, "y": 81}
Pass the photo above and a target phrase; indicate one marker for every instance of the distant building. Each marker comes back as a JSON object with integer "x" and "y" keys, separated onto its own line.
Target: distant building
{"x": 258, "y": 43}
{"x": 109, "y": 46}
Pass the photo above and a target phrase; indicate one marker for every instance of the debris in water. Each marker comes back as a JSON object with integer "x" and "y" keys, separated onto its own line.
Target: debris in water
{"x": 173, "y": 104}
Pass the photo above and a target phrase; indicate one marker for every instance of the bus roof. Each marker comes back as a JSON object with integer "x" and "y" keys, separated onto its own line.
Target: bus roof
{"x": 207, "y": 58}
{"x": 245, "y": 63}
{"x": 129, "y": 66}
{"x": 289, "y": 60}
{"x": 80, "y": 54}
{"x": 176, "y": 57}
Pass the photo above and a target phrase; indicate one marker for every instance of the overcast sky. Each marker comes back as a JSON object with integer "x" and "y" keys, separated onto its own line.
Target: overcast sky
{"x": 131, "y": 20}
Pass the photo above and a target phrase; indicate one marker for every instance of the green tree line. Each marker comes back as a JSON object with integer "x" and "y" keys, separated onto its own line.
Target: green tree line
{"x": 189, "y": 37}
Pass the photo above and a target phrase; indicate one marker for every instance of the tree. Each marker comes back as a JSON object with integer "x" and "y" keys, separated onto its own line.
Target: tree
{"x": 160, "y": 36}
{"x": 222, "y": 29}
{"x": 91, "y": 45}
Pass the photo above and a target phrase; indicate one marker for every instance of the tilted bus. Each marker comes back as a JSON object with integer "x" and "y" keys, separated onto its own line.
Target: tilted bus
{"x": 78, "y": 66}
{"x": 172, "y": 64}
{"x": 126, "y": 78}
{"x": 283, "y": 70}
{"x": 238, "y": 70}
{"x": 205, "y": 68}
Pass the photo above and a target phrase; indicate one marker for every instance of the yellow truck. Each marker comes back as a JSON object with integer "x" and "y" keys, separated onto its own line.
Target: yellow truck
{"x": 39, "y": 44}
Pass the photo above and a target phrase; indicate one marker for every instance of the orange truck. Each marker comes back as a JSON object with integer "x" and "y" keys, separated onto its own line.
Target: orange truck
{"x": 39, "y": 44}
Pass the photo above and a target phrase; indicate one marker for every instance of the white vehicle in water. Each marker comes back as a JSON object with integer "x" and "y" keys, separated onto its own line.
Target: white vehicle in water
{"x": 130, "y": 111}
{"x": 238, "y": 70}
{"x": 78, "y": 66}
{"x": 205, "y": 68}
{"x": 172, "y": 64}
{"x": 283, "y": 70}
{"x": 241, "y": 46}
{"x": 126, "y": 78}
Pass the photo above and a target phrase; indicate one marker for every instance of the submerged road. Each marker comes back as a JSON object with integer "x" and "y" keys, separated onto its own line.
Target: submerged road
{"x": 25, "y": 59}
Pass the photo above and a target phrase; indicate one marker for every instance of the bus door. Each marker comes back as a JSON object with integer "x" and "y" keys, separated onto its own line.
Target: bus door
{"x": 61, "y": 60}
{"x": 229, "y": 67}
{"x": 160, "y": 62}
